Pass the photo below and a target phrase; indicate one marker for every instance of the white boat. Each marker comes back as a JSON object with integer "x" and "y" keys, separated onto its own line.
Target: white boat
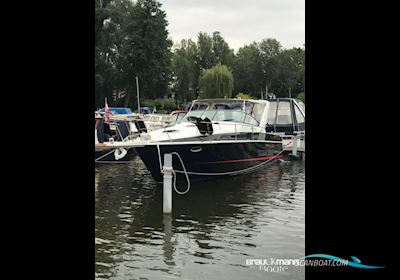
{"x": 222, "y": 137}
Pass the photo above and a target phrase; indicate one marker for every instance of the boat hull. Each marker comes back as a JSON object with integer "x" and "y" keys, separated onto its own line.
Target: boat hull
{"x": 212, "y": 160}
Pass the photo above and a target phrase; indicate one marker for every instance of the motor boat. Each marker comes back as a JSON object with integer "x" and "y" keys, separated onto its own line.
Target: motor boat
{"x": 119, "y": 130}
{"x": 218, "y": 138}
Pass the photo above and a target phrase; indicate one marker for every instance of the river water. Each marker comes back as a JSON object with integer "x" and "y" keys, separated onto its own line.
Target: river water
{"x": 213, "y": 230}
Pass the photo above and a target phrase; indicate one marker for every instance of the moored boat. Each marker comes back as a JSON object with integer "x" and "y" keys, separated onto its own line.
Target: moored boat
{"x": 215, "y": 139}
{"x": 113, "y": 130}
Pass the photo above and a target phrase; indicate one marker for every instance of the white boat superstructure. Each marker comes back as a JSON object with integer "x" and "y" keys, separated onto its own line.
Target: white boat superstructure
{"x": 156, "y": 121}
{"x": 236, "y": 119}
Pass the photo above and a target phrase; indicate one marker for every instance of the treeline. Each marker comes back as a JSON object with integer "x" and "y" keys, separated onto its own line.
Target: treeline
{"x": 132, "y": 40}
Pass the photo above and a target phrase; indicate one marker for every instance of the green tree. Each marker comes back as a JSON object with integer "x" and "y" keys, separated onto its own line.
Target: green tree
{"x": 289, "y": 72}
{"x": 269, "y": 49}
{"x": 131, "y": 40}
{"x": 110, "y": 17}
{"x": 247, "y": 70}
{"x": 190, "y": 59}
{"x": 213, "y": 50}
{"x": 222, "y": 54}
{"x": 216, "y": 82}
{"x": 185, "y": 71}
{"x": 146, "y": 52}
{"x": 205, "y": 56}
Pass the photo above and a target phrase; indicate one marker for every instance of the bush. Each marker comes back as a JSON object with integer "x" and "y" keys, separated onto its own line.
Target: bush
{"x": 147, "y": 103}
{"x": 242, "y": 95}
{"x": 163, "y": 105}
{"x": 302, "y": 97}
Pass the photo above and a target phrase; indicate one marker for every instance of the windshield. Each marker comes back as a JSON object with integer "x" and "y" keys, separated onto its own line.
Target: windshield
{"x": 241, "y": 111}
{"x": 223, "y": 115}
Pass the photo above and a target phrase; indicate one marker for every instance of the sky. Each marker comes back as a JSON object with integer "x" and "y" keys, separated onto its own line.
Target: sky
{"x": 240, "y": 22}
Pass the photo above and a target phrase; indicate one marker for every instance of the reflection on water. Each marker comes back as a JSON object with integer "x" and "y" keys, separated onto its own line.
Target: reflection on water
{"x": 212, "y": 231}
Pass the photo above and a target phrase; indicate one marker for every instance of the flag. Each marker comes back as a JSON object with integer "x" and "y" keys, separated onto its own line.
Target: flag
{"x": 107, "y": 110}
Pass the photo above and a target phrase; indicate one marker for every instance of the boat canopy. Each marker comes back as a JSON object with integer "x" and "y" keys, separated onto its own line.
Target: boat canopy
{"x": 232, "y": 110}
{"x": 285, "y": 115}
{"x": 279, "y": 115}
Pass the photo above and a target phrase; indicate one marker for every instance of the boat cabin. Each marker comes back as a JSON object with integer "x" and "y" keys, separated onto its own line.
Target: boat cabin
{"x": 277, "y": 115}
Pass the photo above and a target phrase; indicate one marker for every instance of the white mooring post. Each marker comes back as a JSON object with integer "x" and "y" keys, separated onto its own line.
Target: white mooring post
{"x": 294, "y": 145}
{"x": 167, "y": 188}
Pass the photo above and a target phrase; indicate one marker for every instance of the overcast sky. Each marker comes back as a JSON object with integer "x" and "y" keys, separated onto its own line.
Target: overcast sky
{"x": 239, "y": 21}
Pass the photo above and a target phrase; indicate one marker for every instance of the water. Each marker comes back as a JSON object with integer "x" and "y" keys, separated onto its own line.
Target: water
{"x": 213, "y": 230}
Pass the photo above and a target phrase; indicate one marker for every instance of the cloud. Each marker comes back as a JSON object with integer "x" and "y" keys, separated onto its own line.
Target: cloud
{"x": 239, "y": 21}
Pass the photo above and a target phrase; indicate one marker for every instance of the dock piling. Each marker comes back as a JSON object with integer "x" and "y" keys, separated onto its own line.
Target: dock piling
{"x": 295, "y": 145}
{"x": 167, "y": 184}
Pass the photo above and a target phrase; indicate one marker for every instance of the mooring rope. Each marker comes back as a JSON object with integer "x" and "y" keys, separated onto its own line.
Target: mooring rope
{"x": 97, "y": 160}
{"x": 186, "y": 174}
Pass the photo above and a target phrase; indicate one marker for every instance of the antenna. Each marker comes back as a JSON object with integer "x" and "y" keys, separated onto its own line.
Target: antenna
{"x": 137, "y": 92}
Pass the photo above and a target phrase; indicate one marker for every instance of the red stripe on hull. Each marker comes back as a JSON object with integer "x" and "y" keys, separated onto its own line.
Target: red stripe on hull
{"x": 247, "y": 159}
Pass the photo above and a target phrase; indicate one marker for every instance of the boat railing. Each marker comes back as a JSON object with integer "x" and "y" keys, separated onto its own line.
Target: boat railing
{"x": 224, "y": 115}
{"x": 240, "y": 124}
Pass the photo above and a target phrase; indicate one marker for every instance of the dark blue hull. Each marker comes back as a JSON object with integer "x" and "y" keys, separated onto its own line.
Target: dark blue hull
{"x": 212, "y": 161}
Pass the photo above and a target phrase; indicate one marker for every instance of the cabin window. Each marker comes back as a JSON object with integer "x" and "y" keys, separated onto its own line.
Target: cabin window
{"x": 199, "y": 106}
{"x": 258, "y": 111}
{"x": 284, "y": 114}
{"x": 271, "y": 113}
{"x": 254, "y": 110}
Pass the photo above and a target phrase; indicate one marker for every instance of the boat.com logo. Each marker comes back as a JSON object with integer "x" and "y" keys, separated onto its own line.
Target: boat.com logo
{"x": 280, "y": 265}
{"x": 355, "y": 263}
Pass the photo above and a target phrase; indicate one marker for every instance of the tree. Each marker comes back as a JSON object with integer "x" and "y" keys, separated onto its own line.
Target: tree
{"x": 146, "y": 51}
{"x": 185, "y": 71}
{"x": 213, "y": 50}
{"x": 205, "y": 56}
{"x": 269, "y": 49}
{"x": 216, "y": 82}
{"x": 289, "y": 72}
{"x": 131, "y": 40}
{"x": 110, "y": 17}
{"x": 247, "y": 70}
{"x": 190, "y": 59}
{"x": 222, "y": 54}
